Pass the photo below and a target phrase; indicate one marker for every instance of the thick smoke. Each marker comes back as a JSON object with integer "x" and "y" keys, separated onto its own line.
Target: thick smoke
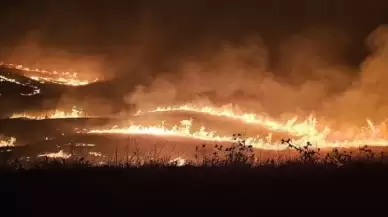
{"x": 316, "y": 81}
{"x": 263, "y": 57}
{"x": 31, "y": 51}
{"x": 366, "y": 96}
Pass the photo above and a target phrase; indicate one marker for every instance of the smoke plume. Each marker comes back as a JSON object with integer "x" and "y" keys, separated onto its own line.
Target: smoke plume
{"x": 316, "y": 80}
{"x": 275, "y": 57}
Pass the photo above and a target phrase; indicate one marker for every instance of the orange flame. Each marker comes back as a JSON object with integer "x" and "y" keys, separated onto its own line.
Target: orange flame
{"x": 59, "y": 154}
{"x": 307, "y": 127}
{"x": 184, "y": 131}
{"x": 43, "y": 76}
{"x": 57, "y": 114}
{"x": 321, "y": 139}
{"x": 7, "y": 142}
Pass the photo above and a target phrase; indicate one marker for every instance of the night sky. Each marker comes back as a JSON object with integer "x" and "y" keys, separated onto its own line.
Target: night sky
{"x": 158, "y": 30}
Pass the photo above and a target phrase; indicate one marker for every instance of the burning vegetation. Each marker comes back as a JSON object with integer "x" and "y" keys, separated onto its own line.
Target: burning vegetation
{"x": 320, "y": 95}
{"x": 222, "y": 109}
{"x": 43, "y": 76}
{"x": 7, "y": 141}
{"x": 308, "y": 130}
{"x": 56, "y": 114}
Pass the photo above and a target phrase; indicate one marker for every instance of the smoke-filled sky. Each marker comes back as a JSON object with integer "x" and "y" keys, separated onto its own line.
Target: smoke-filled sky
{"x": 278, "y": 56}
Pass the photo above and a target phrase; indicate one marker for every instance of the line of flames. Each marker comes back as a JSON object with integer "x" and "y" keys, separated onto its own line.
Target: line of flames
{"x": 303, "y": 131}
{"x": 179, "y": 161}
{"x": 43, "y": 76}
{"x": 56, "y": 114}
{"x": 35, "y": 89}
{"x": 64, "y": 155}
{"x": 308, "y": 127}
{"x": 59, "y": 154}
{"x": 321, "y": 139}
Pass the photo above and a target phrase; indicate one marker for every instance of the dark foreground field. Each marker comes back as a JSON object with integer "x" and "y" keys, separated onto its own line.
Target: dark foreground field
{"x": 291, "y": 189}
{"x": 230, "y": 182}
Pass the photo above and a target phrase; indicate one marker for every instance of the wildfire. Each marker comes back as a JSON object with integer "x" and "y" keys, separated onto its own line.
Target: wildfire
{"x": 43, "y": 76}
{"x": 7, "y": 142}
{"x": 307, "y": 131}
{"x": 307, "y": 127}
{"x": 184, "y": 130}
{"x": 57, "y": 114}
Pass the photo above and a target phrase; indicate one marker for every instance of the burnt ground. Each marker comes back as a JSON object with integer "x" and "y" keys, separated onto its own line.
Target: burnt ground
{"x": 186, "y": 191}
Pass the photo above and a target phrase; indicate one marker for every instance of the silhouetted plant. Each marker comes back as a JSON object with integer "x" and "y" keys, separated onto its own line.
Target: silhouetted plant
{"x": 306, "y": 153}
{"x": 5, "y": 155}
{"x": 367, "y": 153}
{"x": 238, "y": 153}
{"x": 338, "y": 158}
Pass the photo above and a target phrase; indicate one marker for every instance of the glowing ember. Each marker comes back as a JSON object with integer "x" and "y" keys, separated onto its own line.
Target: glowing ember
{"x": 59, "y": 154}
{"x": 84, "y": 145}
{"x": 7, "y": 142}
{"x": 57, "y": 114}
{"x": 43, "y": 76}
{"x": 96, "y": 154}
{"x": 178, "y": 161}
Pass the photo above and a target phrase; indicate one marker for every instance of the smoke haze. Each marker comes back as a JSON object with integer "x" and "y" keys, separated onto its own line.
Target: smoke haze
{"x": 322, "y": 57}
{"x": 314, "y": 79}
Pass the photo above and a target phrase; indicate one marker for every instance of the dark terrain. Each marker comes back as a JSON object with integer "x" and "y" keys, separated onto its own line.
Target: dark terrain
{"x": 297, "y": 189}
